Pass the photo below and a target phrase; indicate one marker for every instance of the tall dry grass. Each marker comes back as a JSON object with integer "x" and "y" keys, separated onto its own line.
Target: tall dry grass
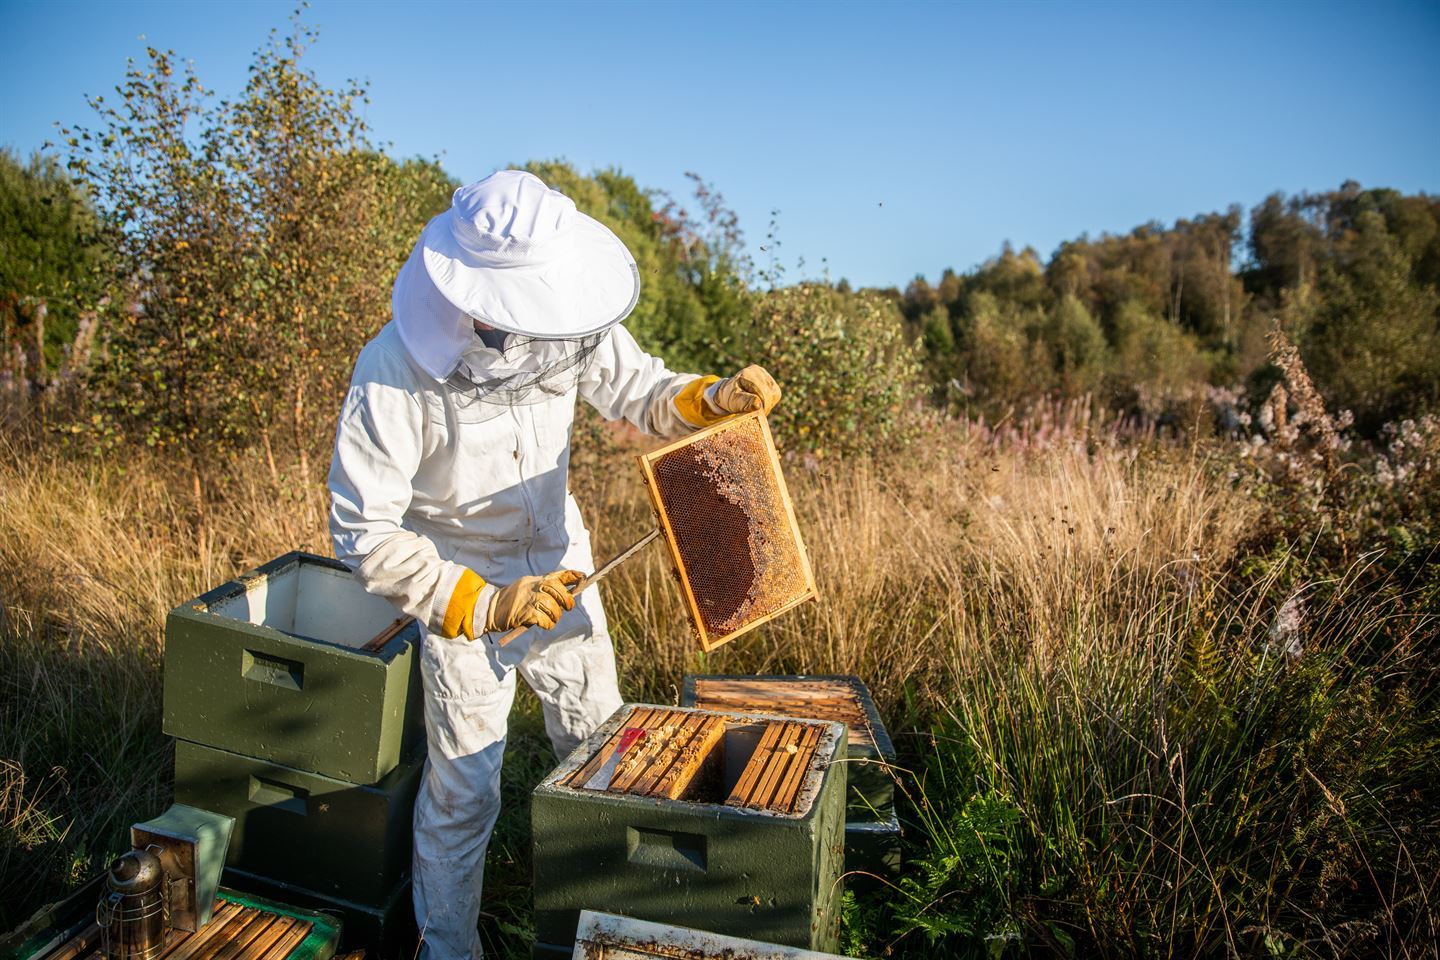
{"x": 1052, "y": 623}
{"x": 922, "y": 560}
{"x": 94, "y": 553}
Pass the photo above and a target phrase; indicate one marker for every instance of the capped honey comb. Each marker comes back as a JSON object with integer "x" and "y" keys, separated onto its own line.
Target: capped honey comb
{"x": 721, "y": 498}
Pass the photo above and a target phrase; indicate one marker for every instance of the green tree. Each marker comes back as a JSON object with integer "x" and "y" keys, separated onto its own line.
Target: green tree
{"x": 256, "y": 243}
{"x": 937, "y": 335}
{"x": 51, "y": 261}
{"x": 1001, "y": 366}
{"x": 1156, "y": 363}
{"x": 850, "y": 372}
{"x": 1373, "y": 341}
{"x": 1076, "y": 344}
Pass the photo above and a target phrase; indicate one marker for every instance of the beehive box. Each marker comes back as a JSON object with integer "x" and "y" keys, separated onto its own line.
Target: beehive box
{"x": 338, "y": 839}
{"x": 607, "y": 936}
{"x": 747, "y": 839}
{"x": 872, "y": 830}
{"x": 386, "y": 932}
{"x": 295, "y": 663}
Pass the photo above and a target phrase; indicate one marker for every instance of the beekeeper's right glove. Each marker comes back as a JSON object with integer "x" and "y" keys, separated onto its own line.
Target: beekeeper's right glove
{"x": 751, "y": 389}
{"x": 533, "y": 601}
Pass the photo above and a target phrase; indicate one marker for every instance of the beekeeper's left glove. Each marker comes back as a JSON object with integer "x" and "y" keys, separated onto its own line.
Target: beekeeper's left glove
{"x": 751, "y": 389}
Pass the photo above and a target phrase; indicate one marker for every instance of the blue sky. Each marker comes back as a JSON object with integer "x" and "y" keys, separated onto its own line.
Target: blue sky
{"x": 894, "y": 139}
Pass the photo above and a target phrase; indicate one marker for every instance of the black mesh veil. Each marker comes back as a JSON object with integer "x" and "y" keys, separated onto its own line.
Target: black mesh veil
{"x": 508, "y": 370}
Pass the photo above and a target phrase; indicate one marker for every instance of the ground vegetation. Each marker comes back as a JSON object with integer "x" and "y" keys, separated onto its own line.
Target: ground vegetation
{"x": 1136, "y": 545}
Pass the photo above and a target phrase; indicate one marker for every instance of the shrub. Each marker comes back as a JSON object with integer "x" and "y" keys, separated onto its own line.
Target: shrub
{"x": 1374, "y": 335}
{"x": 1155, "y": 360}
{"x": 849, "y": 372}
{"x": 256, "y": 243}
{"x": 1078, "y": 352}
{"x": 1002, "y": 366}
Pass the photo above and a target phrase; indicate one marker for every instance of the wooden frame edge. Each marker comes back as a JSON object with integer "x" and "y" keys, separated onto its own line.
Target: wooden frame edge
{"x": 707, "y": 642}
{"x": 784, "y": 489}
{"x": 651, "y": 488}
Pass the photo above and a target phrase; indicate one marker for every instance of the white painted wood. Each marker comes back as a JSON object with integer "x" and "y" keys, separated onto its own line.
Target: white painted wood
{"x": 312, "y": 601}
{"x": 608, "y": 936}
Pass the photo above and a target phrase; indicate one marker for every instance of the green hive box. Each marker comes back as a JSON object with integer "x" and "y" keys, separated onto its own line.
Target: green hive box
{"x": 693, "y": 862}
{"x": 271, "y": 665}
{"x": 338, "y": 839}
{"x": 872, "y": 829}
{"x": 386, "y": 932}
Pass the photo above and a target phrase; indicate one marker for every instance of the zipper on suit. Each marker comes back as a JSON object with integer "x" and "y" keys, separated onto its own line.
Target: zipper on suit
{"x": 525, "y": 492}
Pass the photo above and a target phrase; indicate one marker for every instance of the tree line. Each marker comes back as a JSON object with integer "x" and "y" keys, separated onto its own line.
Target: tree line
{"x": 1149, "y": 319}
{"x": 200, "y": 274}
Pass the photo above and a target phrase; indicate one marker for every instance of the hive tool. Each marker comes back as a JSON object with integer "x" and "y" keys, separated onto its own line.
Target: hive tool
{"x": 602, "y": 777}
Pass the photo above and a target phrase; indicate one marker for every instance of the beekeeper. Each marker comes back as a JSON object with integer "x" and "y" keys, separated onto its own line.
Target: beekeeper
{"x": 449, "y": 492}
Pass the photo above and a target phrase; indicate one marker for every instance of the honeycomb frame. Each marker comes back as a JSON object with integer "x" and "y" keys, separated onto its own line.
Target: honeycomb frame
{"x": 782, "y": 530}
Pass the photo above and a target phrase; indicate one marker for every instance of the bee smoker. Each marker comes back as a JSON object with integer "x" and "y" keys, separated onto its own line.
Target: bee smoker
{"x": 134, "y": 913}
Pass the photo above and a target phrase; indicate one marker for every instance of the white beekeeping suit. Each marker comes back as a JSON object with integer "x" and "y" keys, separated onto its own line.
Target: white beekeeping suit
{"x": 449, "y": 492}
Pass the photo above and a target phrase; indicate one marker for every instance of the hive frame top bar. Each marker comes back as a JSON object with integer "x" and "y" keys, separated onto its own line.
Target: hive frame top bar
{"x": 878, "y": 733}
{"x": 830, "y": 734}
{"x": 709, "y": 641}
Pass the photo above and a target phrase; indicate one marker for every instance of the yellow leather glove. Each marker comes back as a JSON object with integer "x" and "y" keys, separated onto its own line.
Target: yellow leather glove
{"x": 750, "y": 389}
{"x": 533, "y": 601}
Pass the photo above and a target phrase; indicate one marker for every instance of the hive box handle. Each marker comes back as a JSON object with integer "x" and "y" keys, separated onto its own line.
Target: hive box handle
{"x": 278, "y": 796}
{"x": 276, "y": 671}
{"x": 666, "y": 849}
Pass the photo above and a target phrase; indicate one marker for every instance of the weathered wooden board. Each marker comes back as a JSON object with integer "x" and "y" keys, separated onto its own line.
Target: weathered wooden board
{"x": 815, "y": 699}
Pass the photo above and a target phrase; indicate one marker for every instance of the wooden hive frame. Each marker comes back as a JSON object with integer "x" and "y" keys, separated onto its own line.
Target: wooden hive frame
{"x": 608, "y": 936}
{"x": 708, "y": 641}
{"x": 807, "y": 697}
{"x": 665, "y": 763}
{"x": 678, "y": 744}
{"x": 773, "y": 774}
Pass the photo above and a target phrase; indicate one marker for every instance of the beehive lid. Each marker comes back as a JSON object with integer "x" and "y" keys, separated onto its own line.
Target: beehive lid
{"x": 841, "y": 698}
{"x": 721, "y": 499}
{"x": 608, "y": 936}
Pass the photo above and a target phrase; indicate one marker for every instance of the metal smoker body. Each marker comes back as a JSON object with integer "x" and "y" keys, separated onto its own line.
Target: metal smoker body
{"x": 134, "y": 915}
